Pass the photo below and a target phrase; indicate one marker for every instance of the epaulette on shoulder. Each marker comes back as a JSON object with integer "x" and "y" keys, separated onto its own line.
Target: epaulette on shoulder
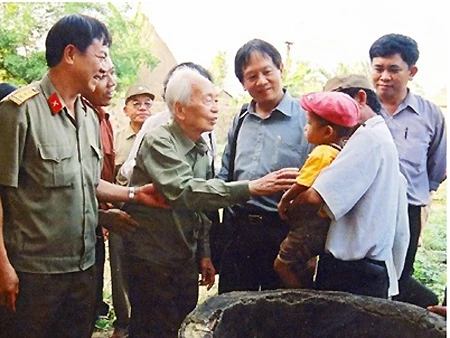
{"x": 23, "y": 94}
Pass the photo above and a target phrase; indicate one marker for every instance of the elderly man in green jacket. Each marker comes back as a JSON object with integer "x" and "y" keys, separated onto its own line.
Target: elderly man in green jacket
{"x": 171, "y": 246}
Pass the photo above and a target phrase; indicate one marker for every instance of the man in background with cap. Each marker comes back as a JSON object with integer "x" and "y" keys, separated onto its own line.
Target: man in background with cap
{"x": 364, "y": 194}
{"x": 138, "y": 101}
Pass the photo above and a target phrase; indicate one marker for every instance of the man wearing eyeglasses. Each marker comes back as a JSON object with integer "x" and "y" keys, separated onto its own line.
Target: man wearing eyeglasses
{"x": 138, "y": 102}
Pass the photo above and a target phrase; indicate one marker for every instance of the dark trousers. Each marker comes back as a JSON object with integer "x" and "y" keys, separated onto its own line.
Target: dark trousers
{"x": 52, "y": 305}
{"x": 247, "y": 263}
{"x": 412, "y": 291}
{"x": 101, "y": 307}
{"x": 160, "y": 297}
{"x": 363, "y": 277}
{"x": 119, "y": 282}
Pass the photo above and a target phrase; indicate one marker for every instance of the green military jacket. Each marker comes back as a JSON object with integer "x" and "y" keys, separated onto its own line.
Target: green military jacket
{"x": 49, "y": 170}
{"x": 180, "y": 170}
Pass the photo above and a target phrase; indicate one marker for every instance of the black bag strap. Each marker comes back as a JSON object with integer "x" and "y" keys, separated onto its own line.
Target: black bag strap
{"x": 243, "y": 111}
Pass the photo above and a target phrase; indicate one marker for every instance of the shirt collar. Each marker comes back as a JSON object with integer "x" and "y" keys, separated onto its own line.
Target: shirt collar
{"x": 373, "y": 121}
{"x": 102, "y": 114}
{"x": 283, "y": 107}
{"x": 129, "y": 132}
{"x": 54, "y": 101}
{"x": 100, "y": 111}
{"x": 186, "y": 144}
{"x": 202, "y": 146}
{"x": 411, "y": 100}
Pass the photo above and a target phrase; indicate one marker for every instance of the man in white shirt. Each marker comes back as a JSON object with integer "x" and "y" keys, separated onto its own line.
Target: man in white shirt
{"x": 366, "y": 201}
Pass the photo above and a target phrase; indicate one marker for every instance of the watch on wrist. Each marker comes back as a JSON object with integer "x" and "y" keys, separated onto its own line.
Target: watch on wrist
{"x": 131, "y": 193}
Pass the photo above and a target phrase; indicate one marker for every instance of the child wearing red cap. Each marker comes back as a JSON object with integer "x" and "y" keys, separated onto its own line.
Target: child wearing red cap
{"x": 332, "y": 117}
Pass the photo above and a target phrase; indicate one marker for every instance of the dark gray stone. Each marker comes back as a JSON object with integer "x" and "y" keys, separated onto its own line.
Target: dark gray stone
{"x": 308, "y": 313}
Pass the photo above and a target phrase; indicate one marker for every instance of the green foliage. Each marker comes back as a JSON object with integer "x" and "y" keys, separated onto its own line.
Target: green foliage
{"x": 238, "y": 100}
{"x": 218, "y": 68}
{"x": 104, "y": 326}
{"x": 430, "y": 270}
{"x": 430, "y": 266}
{"x": 131, "y": 48}
{"x": 24, "y": 26}
{"x": 20, "y": 58}
{"x": 300, "y": 78}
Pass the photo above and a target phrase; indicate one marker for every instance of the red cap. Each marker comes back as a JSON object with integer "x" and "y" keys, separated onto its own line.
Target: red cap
{"x": 335, "y": 107}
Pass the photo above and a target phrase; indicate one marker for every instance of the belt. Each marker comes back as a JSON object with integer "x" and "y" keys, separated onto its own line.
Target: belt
{"x": 266, "y": 218}
{"x": 373, "y": 261}
{"x": 370, "y": 260}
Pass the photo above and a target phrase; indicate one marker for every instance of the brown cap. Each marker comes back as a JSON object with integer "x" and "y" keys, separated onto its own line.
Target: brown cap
{"x": 138, "y": 89}
{"x": 347, "y": 81}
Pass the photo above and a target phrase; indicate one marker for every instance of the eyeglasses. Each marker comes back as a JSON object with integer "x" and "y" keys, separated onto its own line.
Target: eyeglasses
{"x": 137, "y": 104}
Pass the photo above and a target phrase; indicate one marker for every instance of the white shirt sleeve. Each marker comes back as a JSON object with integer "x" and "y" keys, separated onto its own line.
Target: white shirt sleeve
{"x": 152, "y": 122}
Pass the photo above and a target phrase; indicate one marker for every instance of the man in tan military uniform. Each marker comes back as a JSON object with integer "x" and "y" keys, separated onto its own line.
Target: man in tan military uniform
{"x": 50, "y": 163}
{"x": 138, "y": 102}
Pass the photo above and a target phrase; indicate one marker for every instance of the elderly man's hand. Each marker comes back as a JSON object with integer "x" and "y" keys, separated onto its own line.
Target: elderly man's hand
{"x": 117, "y": 221}
{"x": 208, "y": 273}
{"x": 150, "y": 196}
{"x": 9, "y": 286}
{"x": 273, "y": 182}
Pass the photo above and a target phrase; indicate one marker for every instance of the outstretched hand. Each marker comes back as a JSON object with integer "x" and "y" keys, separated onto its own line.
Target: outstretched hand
{"x": 273, "y": 182}
{"x": 150, "y": 196}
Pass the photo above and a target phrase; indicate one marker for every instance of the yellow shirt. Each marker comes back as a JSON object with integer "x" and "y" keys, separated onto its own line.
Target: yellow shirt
{"x": 320, "y": 157}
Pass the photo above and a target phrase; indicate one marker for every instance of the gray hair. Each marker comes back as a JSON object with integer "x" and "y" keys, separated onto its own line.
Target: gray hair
{"x": 179, "y": 87}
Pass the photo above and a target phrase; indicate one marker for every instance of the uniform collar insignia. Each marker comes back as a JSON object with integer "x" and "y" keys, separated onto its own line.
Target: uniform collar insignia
{"x": 54, "y": 103}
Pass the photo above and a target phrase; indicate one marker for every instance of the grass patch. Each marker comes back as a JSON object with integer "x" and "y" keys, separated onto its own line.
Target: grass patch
{"x": 431, "y": 259}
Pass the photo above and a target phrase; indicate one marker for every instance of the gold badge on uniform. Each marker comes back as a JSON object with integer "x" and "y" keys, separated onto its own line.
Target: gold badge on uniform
{"x": 22, "y": 95}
